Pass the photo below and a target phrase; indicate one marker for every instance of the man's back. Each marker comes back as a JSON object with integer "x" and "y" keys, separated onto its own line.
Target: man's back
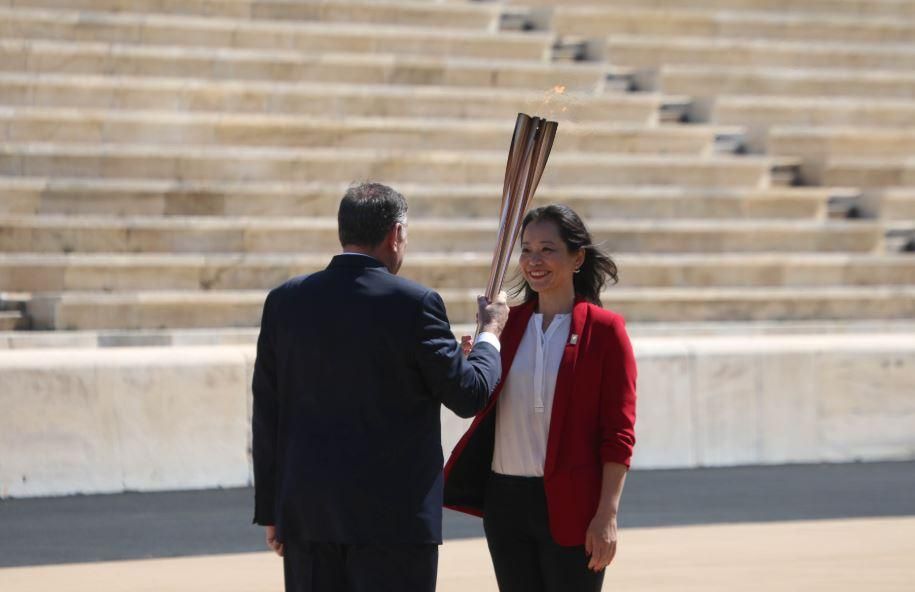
{"x": 353, "y": 364}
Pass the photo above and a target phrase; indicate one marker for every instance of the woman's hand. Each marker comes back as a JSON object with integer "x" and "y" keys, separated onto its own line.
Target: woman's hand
{"x": 466, "y": 344}
{"x": 600, "y": 541}
{"x": 272, "y": 542}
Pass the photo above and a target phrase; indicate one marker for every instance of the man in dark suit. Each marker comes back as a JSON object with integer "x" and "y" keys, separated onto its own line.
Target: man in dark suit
{"x": 353, "y": 365}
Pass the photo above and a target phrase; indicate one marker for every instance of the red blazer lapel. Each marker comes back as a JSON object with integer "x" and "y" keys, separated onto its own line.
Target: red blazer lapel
{"x": 565, "y": 381}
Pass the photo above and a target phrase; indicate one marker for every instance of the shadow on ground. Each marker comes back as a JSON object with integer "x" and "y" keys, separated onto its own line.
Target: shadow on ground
{"x": 173, "y": 524}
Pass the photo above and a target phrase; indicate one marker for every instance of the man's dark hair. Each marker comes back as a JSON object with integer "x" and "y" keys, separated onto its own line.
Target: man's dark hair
{"x": 368, "y": 212}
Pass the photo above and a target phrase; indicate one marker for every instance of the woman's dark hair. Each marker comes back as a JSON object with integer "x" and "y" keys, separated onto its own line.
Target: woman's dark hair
{"x": 597, "y": 268}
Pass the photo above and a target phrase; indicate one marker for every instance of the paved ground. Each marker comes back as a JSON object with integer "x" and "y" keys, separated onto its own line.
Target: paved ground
{"x": 180, "y": 524}
{"x": 851, "y": 555}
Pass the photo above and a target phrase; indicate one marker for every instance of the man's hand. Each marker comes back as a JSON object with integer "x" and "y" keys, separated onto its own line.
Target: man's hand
{"x": 493, "y": 315}
{"x": 272, "y": 541}
{"x": 600, "y": 541}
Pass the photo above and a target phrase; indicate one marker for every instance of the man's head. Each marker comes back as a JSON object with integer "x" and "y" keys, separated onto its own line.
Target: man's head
{"x": 372, "y": 220}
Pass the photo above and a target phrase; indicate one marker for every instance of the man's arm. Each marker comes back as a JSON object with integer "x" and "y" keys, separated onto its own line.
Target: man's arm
{"x": 462, "y": 384}
{"x": 264, "y": 424}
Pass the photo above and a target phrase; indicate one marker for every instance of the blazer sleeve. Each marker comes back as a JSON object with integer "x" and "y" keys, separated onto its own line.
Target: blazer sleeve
{"x": 617, "y": 400}
{"x": 462, "y": 384}
{"x": 264, "y": 423}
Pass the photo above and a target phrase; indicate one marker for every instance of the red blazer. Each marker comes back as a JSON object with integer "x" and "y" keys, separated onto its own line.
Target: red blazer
{"x": 592, "y": 423}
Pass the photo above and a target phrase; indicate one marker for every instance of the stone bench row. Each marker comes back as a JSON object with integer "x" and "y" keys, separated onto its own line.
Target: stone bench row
{"x": 856, "y": 8}
{"x": 818, "y": 142}
{"x": 111, "y": 273}
{"x": 643, "y": 51}
{"x": 602, "y": 21}
{"x": 479, "y": 17}
{"x": 870, "y": 172}
{"x": 52, "y": 57}
{"x": 761, "y": 113}
{"x": 899, "y": 204}
{"x": 170, "y": 198}
{"x": 834, "y": 153}
{"x": 714, "y": 81}
{"x": 323, "y": 36}
{"x": 347, "y": 165}
{"x": 655, "y": 51}
{"x": 111, "y": 93}
{"x": 664, "y": 14}
{"x": 67, "y": 234}
{"x": 65, "y": 125}
{"x": 328, "y": 100}
{"x": 184, "y": 309}
{"x": 19, "y": 124}
{"x": 47, "y": 57}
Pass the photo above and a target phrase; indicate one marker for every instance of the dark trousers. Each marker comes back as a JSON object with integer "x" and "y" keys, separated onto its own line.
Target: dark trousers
{"x": 524, "y": 555}
{"x": 330, "y": 567}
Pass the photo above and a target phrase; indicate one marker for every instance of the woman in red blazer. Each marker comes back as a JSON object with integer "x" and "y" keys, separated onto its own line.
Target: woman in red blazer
{"x": 544, "y": 463}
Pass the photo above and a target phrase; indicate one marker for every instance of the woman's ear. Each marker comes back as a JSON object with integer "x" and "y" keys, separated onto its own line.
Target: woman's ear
{"x": 580, "y": 258}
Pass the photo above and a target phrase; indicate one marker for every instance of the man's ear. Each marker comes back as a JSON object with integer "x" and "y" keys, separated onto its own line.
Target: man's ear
{"x": 395, "y": 236}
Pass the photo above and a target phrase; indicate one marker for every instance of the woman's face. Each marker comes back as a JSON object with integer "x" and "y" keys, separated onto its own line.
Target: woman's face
{"x": 546, "y": 262}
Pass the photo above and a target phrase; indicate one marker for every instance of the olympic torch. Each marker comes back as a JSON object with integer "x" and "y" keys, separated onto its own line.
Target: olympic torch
{"x": 527, "y": 156}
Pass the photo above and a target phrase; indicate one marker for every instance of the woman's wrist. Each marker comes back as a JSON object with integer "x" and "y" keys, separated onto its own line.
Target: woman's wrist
{"x": 606, "y": 514}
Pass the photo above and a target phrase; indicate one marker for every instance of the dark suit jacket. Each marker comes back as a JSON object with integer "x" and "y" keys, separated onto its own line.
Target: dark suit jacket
{"x": 353, "y": 364}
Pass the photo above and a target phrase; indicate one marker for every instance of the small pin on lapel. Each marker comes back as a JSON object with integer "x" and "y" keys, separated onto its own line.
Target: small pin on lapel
{"x": 573, "y": 339}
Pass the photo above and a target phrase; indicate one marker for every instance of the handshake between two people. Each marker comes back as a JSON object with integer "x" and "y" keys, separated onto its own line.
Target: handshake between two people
{"x": 491, "y": 318}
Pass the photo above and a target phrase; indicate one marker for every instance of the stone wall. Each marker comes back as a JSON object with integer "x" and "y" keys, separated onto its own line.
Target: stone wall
{"x": 128, "y": 419}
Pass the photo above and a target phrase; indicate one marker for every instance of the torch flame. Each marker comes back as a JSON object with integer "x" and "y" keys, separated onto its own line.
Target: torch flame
{"x": 553, "y": 100}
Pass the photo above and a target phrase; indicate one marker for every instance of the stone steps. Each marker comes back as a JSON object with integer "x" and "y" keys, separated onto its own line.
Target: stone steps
{"x": 818, "y": 145}
{"x": 62, "y": 234}
{"x": 898, "y": 204}
{"x": 858, "y": 8}
{"x": 708, "y": 81}
{"x": 219, "y": 32}
{"x": 417, "y": 14}
{"x": 654, "y": 52}
{"x": 603, "y": 21}
{"x": 196, "y": 63}
{"x": 29, "y": 124}
{"x": 871, "y": 172}
{"x": 760, "y": 114}
{"x": 328, "y": 100}
{"x": 164, "y": 309}
{"x": 28, "y": 272}
{"x": 766, "y": 111}
{"x": 403, "y": 166}
{"x": 821, "y": 142}
{"x": 131, "y": 197}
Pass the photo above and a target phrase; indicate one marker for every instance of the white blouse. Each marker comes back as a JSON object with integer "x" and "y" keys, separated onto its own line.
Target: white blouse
{"x": 526, "y": 403}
